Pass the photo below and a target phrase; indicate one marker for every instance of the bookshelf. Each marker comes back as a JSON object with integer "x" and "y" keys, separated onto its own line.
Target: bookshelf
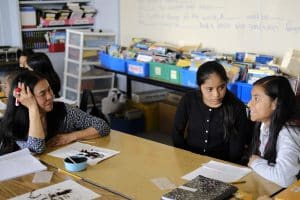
{"x": 33, "y": 37}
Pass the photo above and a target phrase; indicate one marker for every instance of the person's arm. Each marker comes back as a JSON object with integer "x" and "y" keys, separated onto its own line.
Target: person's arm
{"x": 67, "y": 138}
{"x": 287, "y": 164}
{"x": 36, "y": 135}
{"x": 180, "y": 123}
{"x": 80, "y": 125}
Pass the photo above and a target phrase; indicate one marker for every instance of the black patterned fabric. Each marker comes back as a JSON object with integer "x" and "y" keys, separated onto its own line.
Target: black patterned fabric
{"x": 206, "y": 189}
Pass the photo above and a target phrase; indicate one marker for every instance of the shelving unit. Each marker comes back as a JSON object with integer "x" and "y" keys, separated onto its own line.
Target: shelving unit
{"x": 81, "y": 59}
{"x": 34, "y": 37}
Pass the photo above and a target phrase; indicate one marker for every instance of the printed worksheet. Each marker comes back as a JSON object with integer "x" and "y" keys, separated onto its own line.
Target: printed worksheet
{"x": 65, "y": 190}
{"x": 92, "y": 153}
{"x": 19, "y": 163}
{"x": 219, "y": 171}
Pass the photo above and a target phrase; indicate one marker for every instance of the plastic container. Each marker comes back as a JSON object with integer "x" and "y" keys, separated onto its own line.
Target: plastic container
{"x": 244, "y": 91}
{"x": 58, "y": 47}
{"x": 132, "y": 126}
{"x": 113, "y": 63}
{"x": 173, "y": 73}
{"x": 188, "y": 78}
{"x": 233, "y": 88}
{"x": 138, "y": 68}
{"x": 158, "y": 71}
{"x": 28, "y": 17}
{"x": 79, "y": 165}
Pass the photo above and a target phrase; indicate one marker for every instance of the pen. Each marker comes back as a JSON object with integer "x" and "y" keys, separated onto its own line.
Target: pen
{"x": 238, "y": 182}
{"x": 69, "y": 174}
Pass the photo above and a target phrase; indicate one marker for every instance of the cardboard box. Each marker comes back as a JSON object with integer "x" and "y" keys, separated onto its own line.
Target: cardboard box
{"x": 166, "y": 116}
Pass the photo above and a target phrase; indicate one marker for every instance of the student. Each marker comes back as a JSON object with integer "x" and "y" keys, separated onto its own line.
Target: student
{"x": 215, "y": 121}
{"x": 22, "y": 55}
{"x": 41, "y": 63}
{"x": 38, "y": 119}
{"x": 276, "y": 142}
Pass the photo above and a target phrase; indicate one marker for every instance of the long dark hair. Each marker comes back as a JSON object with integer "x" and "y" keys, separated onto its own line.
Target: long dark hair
{"x": 277, "y": 88}
{"x": 41, "y": 63}
{"x": 15, "y": 122}
{"x": 229, "y": 101}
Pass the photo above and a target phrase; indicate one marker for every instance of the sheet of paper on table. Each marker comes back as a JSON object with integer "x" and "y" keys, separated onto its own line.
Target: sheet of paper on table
{"x": 92, "y": 153}
{"x": 65, "y": 190}
{"x": 219, "y": 171}
{"x": 19, "y": 163}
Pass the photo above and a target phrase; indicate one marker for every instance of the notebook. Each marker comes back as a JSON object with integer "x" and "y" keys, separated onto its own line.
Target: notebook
{"x": 201, "y": 188}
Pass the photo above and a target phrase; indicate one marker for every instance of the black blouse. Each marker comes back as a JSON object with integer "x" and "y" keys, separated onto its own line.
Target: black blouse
{"x": 204, "y": 127}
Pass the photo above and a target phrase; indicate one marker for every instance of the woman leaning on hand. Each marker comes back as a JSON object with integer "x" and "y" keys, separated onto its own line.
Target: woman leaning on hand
{"x": 38, "y": 120}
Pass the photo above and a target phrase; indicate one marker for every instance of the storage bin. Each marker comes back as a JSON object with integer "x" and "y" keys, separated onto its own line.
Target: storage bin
{"x": 28, "y": 17}
{"x": 58, "y": 47}
{"x": 244, "y": 91}
{"x": 113, "y": 63}
{"x": 158, "y": 71}
{"x": 133, "y": 126}
{"x": 173, "y": 73}
{"x": 233, "y": 88}
{"x": 166, "y": 72}
{"x": 188, "y": 78}
{"x": 137, "y": 68}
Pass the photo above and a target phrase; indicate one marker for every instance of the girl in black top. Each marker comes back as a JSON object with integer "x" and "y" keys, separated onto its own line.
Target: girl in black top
{"x": 211, "y": 120}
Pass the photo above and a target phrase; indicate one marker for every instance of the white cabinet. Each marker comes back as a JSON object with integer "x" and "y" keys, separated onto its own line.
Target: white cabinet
{"x": 81, "y": 59}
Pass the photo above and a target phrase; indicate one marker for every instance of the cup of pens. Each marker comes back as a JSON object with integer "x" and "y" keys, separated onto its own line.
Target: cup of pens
{"x": 75, "y": 163}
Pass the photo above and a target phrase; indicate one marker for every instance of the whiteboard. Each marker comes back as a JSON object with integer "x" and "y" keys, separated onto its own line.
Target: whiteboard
{"x": 259, "y": 26}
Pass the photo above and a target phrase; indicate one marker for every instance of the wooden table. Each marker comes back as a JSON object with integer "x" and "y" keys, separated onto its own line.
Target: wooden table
{"x": 22, "y": 185}
{"x": 140, "y": 160}
{"x": 291, "y": 193}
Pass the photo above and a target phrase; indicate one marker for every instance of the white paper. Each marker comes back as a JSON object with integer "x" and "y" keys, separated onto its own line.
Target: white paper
{"x": 219, "y": 171}
{"x": 163, "y": 183}
{"x": 71, "y": 189}
{"x": 19, "y": 163}
{"x": 77, "y": 148}
{"x": 42, "y": 177}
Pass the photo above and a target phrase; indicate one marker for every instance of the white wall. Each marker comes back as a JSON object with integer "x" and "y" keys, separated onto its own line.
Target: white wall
{"x": 108, "y": 16}
{"x": 10, "y": 33}
{"x": 259, "y": 26}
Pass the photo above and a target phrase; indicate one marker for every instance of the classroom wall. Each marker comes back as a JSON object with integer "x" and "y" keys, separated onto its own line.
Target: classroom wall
{"x": 108, "y": 16}
{"x": 262, "y": 26}
{"x": 10, "y": 34}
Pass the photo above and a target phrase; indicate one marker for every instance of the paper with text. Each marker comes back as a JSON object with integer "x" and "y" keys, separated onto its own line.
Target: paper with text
{"x": 92, "y": 153}
{"x": 65, "y": 190}
{"x": 19, "y": 163}
{"x": 219, "y": 171}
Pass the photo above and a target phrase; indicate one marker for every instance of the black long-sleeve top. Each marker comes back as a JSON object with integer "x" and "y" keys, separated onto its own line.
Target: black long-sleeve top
{"x": 205, "y": 133}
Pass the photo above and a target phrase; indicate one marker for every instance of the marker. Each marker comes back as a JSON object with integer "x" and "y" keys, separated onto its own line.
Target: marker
{"x": 17, "y": 91}
{"x": 69, "y": 174}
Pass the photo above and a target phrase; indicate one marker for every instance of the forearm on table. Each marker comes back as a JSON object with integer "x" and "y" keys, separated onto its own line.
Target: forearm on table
{"x": 87, "y": 133}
